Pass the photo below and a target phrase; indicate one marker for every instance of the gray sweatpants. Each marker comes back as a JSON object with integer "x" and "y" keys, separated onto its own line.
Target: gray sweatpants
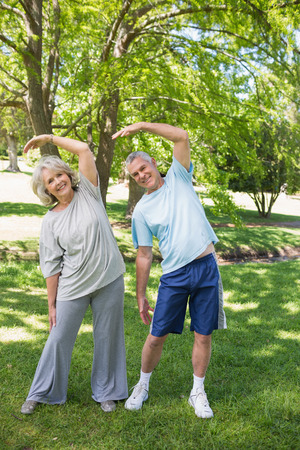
{"x": 108, "y": 379}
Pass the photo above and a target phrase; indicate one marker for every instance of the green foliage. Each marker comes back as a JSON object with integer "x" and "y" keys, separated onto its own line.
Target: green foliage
{"x": 275, "y": 167}
{"x": 217, "y": 70}
{"x": 3, "y": 149}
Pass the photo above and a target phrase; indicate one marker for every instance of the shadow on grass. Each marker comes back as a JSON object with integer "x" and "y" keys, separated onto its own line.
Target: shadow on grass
{"x": 22, "y": 209}
{"x": 116, "y": 211}
{"x": 257, "y": 241}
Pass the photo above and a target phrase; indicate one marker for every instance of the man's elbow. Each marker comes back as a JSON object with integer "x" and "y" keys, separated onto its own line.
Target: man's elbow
{"x": 183, "y": 136}
{"x": 144, "y": 253}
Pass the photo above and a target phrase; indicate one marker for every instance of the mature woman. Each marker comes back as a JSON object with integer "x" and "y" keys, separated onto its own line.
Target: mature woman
{"x": 82, "y": 265}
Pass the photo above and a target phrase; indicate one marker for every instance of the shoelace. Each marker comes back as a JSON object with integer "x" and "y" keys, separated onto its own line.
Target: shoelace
{"x": 137, "y": 389}
{"x": 201, "y": 396}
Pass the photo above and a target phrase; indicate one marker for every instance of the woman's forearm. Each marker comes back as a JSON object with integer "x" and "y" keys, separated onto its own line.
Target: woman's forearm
{"x": 70, "y": 145}
{"x": 52, "y": 284}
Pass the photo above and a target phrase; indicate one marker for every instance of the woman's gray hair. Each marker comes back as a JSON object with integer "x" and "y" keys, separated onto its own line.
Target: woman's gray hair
{"x": 140, "y": 154}
{"x": 56, "y": 164}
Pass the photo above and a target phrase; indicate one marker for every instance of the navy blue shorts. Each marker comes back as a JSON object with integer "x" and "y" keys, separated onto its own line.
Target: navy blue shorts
{"x": 200, "y": 283}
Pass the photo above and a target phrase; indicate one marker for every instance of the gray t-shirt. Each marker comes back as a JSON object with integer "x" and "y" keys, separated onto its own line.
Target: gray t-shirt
{"x": 79, "y": 243}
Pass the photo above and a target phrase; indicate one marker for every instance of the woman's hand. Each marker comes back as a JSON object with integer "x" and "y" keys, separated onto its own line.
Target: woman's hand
{"x": 37, "y": 142}
{"x": 52, "y": 318}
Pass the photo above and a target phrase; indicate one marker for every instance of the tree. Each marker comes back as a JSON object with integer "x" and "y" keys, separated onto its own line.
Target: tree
{"x": 29, "y": 60}
{"x": 218, "y": 61}
{"x": 14, "y": 128}
{"x": 192, "y": 64}
{"x": 277, "y": 152}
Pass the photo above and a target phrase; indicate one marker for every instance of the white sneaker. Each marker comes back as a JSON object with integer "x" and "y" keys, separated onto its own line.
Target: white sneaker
{"x": 199, "y": 402}
{"x": 137, "y": 398}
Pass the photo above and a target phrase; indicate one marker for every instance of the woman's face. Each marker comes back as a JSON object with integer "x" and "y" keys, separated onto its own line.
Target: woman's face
{"x": 58, "y": 184}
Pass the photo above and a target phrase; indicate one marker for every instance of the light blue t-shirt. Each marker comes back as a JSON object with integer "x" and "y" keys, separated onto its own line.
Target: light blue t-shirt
{"x": 174, "y": 214}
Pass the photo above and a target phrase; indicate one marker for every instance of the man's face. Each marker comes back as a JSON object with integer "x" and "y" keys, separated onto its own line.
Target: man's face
{"x": 145, "y": 174}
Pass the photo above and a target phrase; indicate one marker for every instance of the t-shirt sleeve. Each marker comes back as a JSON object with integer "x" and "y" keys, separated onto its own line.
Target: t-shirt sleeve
{"x": 180, "y": 171}
{"x": 87, "y": 186}
{"x": 141, "y": 233}
{"x": 51, "y": 254}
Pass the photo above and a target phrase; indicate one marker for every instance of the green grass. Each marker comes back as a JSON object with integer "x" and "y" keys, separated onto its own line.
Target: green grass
{"x": 26, "y": 249}
{"x": 252, "y": 382}
{"x": 22, "y": 209}
{"x": 234, "y": 242}
{"x": 250, "y": 216}
{"x": 260, "y": 241}
{"x": 116, "y": 212}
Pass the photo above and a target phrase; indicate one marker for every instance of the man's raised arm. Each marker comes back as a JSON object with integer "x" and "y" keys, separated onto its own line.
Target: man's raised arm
{"x": 178, "y": 136}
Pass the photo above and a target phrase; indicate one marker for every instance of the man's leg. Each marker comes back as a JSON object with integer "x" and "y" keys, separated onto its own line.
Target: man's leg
{"x": 151, "y": 354}
{"x": 201, "y": 354}
{"x": 200, "y": 359}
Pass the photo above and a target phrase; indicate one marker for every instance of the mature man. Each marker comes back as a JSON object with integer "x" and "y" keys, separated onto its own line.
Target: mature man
{"x": 172, "y": 211}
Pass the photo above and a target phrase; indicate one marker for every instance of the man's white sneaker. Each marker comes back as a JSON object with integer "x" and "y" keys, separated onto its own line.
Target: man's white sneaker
{"x": 137, "y": 398}
{"x": 199, "y": 402}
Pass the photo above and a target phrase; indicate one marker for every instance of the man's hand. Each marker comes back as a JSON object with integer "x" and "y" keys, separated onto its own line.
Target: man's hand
{"x": 144, "y": 309}
{"x": 178, "y": 136}
{"x": 127, "y": 131}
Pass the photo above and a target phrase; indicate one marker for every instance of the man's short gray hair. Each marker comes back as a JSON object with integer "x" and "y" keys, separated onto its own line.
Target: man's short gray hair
{"x": 140, "y": 154}
{"x": 56, "y": 164}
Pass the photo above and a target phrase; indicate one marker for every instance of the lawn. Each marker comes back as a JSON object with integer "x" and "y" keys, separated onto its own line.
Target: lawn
{"x": 252, "y": 381}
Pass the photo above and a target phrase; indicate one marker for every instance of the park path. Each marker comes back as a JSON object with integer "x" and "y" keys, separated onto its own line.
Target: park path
{"x": 15, "y": 188}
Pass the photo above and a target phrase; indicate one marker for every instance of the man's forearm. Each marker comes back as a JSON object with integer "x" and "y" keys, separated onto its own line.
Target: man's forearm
{"x": 143, "y": 266}
{"x": 166, "y": 131}
{"x": 178, "y": 136}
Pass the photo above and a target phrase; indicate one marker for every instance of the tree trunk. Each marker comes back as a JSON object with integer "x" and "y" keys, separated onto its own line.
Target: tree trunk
{"x": 106, "y": 146}
{"x": 264, "y": 209}
{"x": 135, "y": 193}
{"x": 39, "y": 113}
{"x": 12, "y": 153}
